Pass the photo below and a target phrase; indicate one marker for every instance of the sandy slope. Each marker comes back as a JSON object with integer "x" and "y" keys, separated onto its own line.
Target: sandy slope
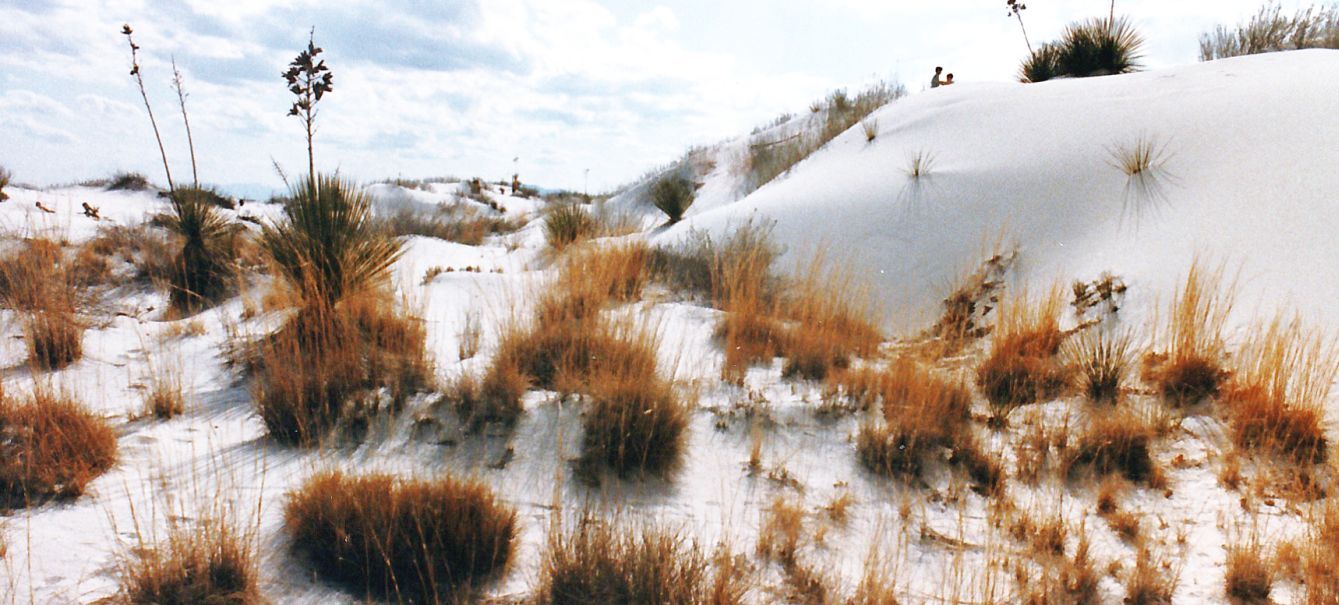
{"x": 1249, "y": 180}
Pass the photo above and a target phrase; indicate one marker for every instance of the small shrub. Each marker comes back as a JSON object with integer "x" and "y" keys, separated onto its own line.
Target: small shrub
{"x": 128, "y": 181}
{"x": 38, "y": 282}
{"x": 1022, "y": 367}
{"x": 673, "y": 195}
{"x": 633, "y": 425}
{"x": 567, "y": 224}
{"x": 1270, "y": 31}
{"x": 28, "y": 278}
{"x": 1117, "y": 442}
{"x": 419, "y": 540}
{"x": 598, "y": 563}
{"x": 1190, "y": 368}
{"x": 1101, "y": 362}
{"x": 1248, "y": 578}
{"x": 52, "y": 449}
{"x": 967, "y": 309}
{"x": 212, "y": 564}
{"x": 1097, "y": 47}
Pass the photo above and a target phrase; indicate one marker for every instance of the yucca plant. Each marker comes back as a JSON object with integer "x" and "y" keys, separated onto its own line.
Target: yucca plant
{"x": 1097, "y": 47}
{"x": 330, "y": 244}
{"x": 1102, "y": 362}
{"x": 673, "y": 195}
{"x": 1042, "y": 64}
{"x": 200, "y": 271}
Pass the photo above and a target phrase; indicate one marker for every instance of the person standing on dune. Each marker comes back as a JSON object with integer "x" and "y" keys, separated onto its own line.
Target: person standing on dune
{"x": 934, "y": 82}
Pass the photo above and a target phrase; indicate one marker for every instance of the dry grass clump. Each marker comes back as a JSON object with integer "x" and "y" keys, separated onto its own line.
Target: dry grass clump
{"x": 567, "y": 224}
{"x": 148, "y": 251}
{"x": 1276, "y": 400}
{"x": 213, "y": 563}
{"x": 417, "y": 540}
{"x": 1117, "y": 442}
{"x": 920, "y": 413}
{"x": 1314, "y": 560}
{"x": 633, "y": 426}
{"x": 52, "y": 448}
{"x": 633, "y": 422}
{"x": 496, "y": 399}
{"x": 454, "y": 223}
{"x": 744, "y": 288}
{"x": 1101, "y": 362}
{"x": 1190, "y": 367}
{"x": 596, "y": 562}
{"x": 1270, "y": 31}
{"x": 323, "y": 368}
{"x": 166, "y": 397}
{"x": 1247, "y": 578}
{"x": 834, "y": 320}
{"x": 37, "y": 281}
{"x": 1147, "y": 583}
{"x": 1022, "y": 367}
{"x": 703, "y": 266}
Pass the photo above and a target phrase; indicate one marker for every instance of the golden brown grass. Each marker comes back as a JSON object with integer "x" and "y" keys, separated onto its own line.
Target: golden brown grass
{"x": 419, "y": 540}
{"x": 1276, "y": 400}
{"x": 166, "y": 397}
{"x": 750, "y": 330}
{"x": 211, "y": 563}
{"x": 37, "y": 281}
{"x": 1117, "y": 442}
{"x": 781, "y": 531}
{"x": 1314, "y": 561}
{"x": 1124, "y": 523}
{"x": 1022, "y": 366}
{"x": 1248, "y": 577}
{"x": 920, "y": 412}
{"x": 834, "y": 318}
{"x": 324, "y": 368}
{"x": 1189, "y": 368}
{"x": 494, "y": 400}
{"x": 598, "y": 562}
{"x": 633, "y": 425}
{"x": 52, "y": 449}
{"x": 1148, "y": 583}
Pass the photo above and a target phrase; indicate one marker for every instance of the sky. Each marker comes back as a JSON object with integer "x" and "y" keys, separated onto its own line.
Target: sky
{"x": 576, "y": 94}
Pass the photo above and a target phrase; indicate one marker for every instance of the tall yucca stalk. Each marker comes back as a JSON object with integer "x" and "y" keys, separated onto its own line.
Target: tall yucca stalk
{"x": 329, "y": 246}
